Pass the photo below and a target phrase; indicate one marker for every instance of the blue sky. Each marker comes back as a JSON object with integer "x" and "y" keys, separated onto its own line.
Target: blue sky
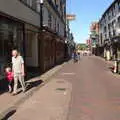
{"x": 86, "y": 11}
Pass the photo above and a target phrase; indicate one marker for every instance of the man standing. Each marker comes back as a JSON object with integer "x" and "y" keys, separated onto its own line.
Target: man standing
{"x": 18, "y": 70}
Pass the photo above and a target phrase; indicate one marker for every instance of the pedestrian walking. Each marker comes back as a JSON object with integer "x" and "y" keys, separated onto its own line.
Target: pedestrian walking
{"x": 78, "y": 55}
{"x": 18, "y": 70}
{"x": 75, "y": 56}
{"x": 9, "y": 78}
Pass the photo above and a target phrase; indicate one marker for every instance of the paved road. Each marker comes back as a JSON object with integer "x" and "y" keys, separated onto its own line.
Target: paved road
{"x": 95, "y": 94}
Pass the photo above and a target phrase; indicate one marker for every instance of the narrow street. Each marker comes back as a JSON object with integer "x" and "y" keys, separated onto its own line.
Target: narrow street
{"x": 82, "y": 91}
{"x": 38, "y": 81}
{"x": 95, "y": 91}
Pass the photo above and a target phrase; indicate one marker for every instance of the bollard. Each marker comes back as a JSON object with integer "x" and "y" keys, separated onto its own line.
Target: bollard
{"x": 115, "y": 67}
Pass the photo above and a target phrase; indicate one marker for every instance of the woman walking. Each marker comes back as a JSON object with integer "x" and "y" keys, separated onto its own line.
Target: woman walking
{"x": 18, "y": 70}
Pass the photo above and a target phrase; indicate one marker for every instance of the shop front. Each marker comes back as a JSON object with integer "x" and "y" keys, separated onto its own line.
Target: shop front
{"x": 11, "y": 37}
{"x": 51, "y": 50}
{"x": 60, "y": 51}
{"x": 108, "y": 50}
{"x": 32, "y": 47}
{"x": 48, "y": 58}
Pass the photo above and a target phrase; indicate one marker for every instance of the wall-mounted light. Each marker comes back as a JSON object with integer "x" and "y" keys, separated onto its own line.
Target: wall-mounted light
{"x": 41, "y": 1}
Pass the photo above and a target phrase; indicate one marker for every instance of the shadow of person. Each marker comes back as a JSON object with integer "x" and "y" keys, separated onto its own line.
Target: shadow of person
{"x": 9, "y": 114}
{"x": 30, "y": 85}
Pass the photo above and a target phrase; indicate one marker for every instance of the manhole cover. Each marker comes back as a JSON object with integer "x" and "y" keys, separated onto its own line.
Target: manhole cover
{"x": 61, "y": 89}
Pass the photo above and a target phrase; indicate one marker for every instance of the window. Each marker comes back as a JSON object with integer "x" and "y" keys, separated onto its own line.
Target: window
{"x": 29, "y": 40}
{"x": 31, "y": 3}
{"x": 114, "y": 32}
{"x": 105, "y": 29}
{"x": 109, "y": 27}
{"x": 55, "y": 25}
{"x": 55, "y": 2}
{"x": 105, "y": 36}
{"x": 109, "y": 15}
{"x": 118, "y": 6}
{"x": 101, "y": 38}
{"x": 58, "y": 26}
{"x": 49, "y": 20}
{"x": 34, "y": 4}
{"x": 118, "y": 22}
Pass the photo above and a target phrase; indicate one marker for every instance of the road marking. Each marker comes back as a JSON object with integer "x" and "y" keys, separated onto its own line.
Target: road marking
{"x": 68, "y": 73}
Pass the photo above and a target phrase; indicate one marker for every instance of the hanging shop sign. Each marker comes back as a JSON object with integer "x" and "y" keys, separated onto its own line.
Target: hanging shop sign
{"x": 70, "y": 17}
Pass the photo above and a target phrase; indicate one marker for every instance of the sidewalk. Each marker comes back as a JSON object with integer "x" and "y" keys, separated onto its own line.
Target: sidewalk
{"x": 51, "y": 102}
{"x": 110, "y": 63}
{"x": 10, "y": 103}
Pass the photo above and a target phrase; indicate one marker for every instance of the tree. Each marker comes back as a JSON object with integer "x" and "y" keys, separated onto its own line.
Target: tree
{"x": 81, "y": 46}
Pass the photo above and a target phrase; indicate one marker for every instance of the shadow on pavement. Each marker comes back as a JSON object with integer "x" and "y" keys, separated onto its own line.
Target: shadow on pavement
{"x": 3, "y": 86}
{"x": 29, "y": 85}
{"x": 8, "y": 115}
{"x": 111, "y": 69}
{"x": 33, "y": 84}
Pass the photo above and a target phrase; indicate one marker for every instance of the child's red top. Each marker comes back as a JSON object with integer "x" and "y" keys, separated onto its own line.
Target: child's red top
{"x": 9, "y": 76}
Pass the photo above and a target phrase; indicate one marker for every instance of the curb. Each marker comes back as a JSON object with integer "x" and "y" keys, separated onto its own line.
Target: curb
{"x": 46, "y": 77}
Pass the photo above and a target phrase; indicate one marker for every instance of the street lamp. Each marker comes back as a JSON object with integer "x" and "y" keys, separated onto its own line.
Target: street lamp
{"x": 40, "y": 2}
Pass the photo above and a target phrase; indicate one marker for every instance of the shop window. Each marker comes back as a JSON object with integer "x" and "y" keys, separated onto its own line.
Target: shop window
{"x": 11, "y": 36}
{"x": 30, "y": 3}
{"x": 29, "y": 40}
{"x": 58, "y": 27}
{"x": 118, "y": 22}
{"x": 118, "y": 6}
{"x": 49, "y": 20}
{"x": 55, "y": 25}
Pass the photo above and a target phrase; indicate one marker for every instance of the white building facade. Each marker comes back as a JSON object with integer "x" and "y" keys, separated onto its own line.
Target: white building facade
{"x": 109, "y": 30}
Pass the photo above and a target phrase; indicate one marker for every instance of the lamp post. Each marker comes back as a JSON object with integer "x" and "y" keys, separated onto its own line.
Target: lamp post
{"x": 40, "y": 2}
{"x": 41, "y": 14}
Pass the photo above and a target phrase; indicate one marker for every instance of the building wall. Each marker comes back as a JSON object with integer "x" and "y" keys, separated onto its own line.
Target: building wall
{"x": 31, "y": 46}
{"x": 57, "y": 24}
{"x": 33, "y": 60}
{"x": 18, "y": 10}
{"x": 53, "y": 18}
{"x": 23, "y": 13}
{"x": 109, "y": 21}
{"x": 109, "y": 24}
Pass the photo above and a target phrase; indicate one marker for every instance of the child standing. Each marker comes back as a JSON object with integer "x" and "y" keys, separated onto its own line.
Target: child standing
{"x": 9, "y": 77}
